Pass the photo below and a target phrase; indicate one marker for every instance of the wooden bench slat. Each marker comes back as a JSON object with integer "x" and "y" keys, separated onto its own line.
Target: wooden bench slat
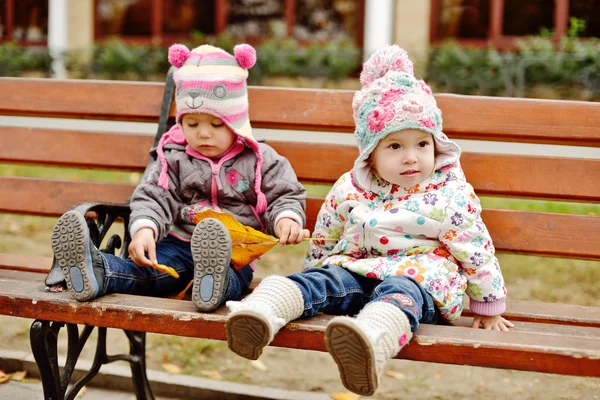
{"x": 29, "y": 263}
{"x": 523, "y": 350}
{"x": 75, "y": 148}
{"x": 465, "y": 117}
{"x": 490, "y": 174}
{"x": 515, "y": 231}
{"x": 54, "y": 197}
{"x": 20, "y": 267}
{"x": 549, "y": 177}
{"x": 561, "y": 235}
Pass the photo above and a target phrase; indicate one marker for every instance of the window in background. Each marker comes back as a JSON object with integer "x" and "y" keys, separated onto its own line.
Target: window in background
{"x": 182, "y": 17}
{"x": 322, "y": 20}
{"x": 2, "y": 19}
{"x": 527, "y": 17}
{"x": 24, "y": 21}
{"x": 589, "y": 11}
{"x": 124, "y": 17}
{"x": 257, "y": 18}
{"x": 465, "y": 19}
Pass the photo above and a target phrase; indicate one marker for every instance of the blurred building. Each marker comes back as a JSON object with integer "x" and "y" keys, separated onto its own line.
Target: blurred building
{"x": 413, "y": 24}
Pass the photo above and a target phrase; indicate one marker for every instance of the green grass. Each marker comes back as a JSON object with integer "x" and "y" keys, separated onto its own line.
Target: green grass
{"x": 80, "y": 174}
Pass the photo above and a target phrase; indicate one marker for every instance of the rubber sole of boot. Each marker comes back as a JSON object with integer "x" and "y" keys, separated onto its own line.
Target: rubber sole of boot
{"x": 353, "y": 355}
{"x": 248, "y": 332}
{"x": 70, "y": 244}
{"x": 211, "y": 252}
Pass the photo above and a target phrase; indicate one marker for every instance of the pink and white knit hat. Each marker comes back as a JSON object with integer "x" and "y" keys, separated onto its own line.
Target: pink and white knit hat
{"x": 209, "y": 80}
{"x": 393, "y": 99}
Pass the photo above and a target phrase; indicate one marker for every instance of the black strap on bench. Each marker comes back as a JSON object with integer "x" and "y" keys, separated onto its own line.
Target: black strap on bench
{"x": 44, "y": 334}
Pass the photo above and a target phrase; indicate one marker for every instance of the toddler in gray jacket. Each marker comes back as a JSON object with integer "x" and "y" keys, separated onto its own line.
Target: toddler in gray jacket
{"x": 209, "y": 159}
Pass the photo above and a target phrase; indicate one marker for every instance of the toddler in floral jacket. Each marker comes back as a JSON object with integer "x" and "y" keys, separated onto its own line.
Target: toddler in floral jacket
{"x": 410, "y": 239}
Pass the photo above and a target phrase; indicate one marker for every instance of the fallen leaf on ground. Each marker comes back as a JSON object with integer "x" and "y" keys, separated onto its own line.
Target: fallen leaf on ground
{"x": 18, "y": 376}
{"x": 171, "y": 368}
{"x": 394, "y": 374}
{"x": 259, "y": 365}
{"x": 344, "y": 396}
{"x": 437, "y": 375}
{"x": 4, "y": 377}
{"x": 165, "y": 358}
{"x": 211, "y": 374}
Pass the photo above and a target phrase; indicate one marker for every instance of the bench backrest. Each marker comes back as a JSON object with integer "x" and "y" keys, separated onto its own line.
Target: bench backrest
{"x": 567, "y": 123}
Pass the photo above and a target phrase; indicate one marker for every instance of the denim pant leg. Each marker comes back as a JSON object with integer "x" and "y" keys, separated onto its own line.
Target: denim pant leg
{"x": 238, "y": 283}
{"x": 406, "y": 294}
{"x": 333, "y": 290}
{"x": 124, "y": 276}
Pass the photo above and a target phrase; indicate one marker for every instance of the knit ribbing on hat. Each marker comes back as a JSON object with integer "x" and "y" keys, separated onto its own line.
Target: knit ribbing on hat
{"x": 210, "y": 80}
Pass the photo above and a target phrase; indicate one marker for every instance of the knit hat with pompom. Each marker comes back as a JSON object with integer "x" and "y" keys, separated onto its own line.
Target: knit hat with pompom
{"x": 391, "y": 100}
{"x": 210, "y": 80}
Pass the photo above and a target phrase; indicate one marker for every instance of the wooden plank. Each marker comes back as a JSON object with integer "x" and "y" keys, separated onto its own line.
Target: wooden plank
{"x": 54, "y": 197}
{"x": 552, "y": 234}
{"x": 490, "y": 174}
{"x": 465, "y": 117}
{"x": 561, "y": 235}
{"x": 92, "y": 99}
{"x": 552, "y": 328}
{"x": 526, "y": 350}
{"x": 27, "y": 263}
{"x": 75, "y": 148}
{"x": 550, "y": 313}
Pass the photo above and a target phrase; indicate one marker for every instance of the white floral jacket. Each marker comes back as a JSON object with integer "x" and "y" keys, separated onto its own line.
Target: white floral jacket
{"x": 431, "y": 232}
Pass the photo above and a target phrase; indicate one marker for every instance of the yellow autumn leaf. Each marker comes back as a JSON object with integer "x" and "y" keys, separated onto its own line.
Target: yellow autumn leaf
{"x": 18, "y": 376}
{"x": 344, "y": 396}
{"x": 212, "y": 374}
{"x": 164, "y": 268}
{"x": 171, "y": 368}
{"x": 259, "y": 365}
{"x": 247, "y": 244}
{"x": 394, "y": 374}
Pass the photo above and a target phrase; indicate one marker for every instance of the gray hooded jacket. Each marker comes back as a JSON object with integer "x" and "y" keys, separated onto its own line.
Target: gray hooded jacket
{"x": 226, "y": 184}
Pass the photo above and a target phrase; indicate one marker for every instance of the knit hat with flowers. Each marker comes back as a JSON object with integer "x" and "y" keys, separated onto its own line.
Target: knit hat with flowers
{"x": 212, "y": 81}
{"x": 392, "y": 99}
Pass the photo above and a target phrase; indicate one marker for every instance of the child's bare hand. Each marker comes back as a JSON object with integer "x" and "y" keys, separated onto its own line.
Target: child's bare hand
{"x": 143, "y": 242}
{"x": 289, "y": 232}
{"x": 495, "y": 323}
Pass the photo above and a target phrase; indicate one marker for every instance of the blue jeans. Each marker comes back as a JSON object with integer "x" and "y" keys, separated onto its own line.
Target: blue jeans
{"x": 338, "y": 291}
{"x": 124, "y": 276}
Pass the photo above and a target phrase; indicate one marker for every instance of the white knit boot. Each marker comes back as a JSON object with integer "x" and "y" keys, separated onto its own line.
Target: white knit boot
{"x": 362, "y": 346}
{"x": 253, "y": 322}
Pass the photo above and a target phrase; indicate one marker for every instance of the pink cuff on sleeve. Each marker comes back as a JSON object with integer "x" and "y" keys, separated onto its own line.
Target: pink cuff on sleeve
{"x": 489, "y": 309}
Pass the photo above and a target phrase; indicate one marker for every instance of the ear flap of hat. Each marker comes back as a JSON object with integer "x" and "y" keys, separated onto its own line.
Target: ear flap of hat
{"x": 178, "y": 54}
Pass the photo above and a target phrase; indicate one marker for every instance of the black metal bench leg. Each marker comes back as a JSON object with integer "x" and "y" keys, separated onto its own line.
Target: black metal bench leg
{"x": 137, "y": 350}
{"x": 43, "y": 338}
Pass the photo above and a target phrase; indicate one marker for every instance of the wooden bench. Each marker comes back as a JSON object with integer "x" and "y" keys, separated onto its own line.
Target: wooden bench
{"x": 556, "y": 338}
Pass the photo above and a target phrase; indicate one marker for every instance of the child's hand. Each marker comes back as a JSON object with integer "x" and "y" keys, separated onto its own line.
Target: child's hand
{"x": 495, "y": 323}
{"x": 143, "y": 242}
{"x": 289, "y": 232}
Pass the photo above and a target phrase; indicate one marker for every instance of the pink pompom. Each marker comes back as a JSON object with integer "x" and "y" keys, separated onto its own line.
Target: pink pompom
{"x": 245, "y": 55}
{"x": 178, "y": 53}
{"x": 389, "y": 58}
